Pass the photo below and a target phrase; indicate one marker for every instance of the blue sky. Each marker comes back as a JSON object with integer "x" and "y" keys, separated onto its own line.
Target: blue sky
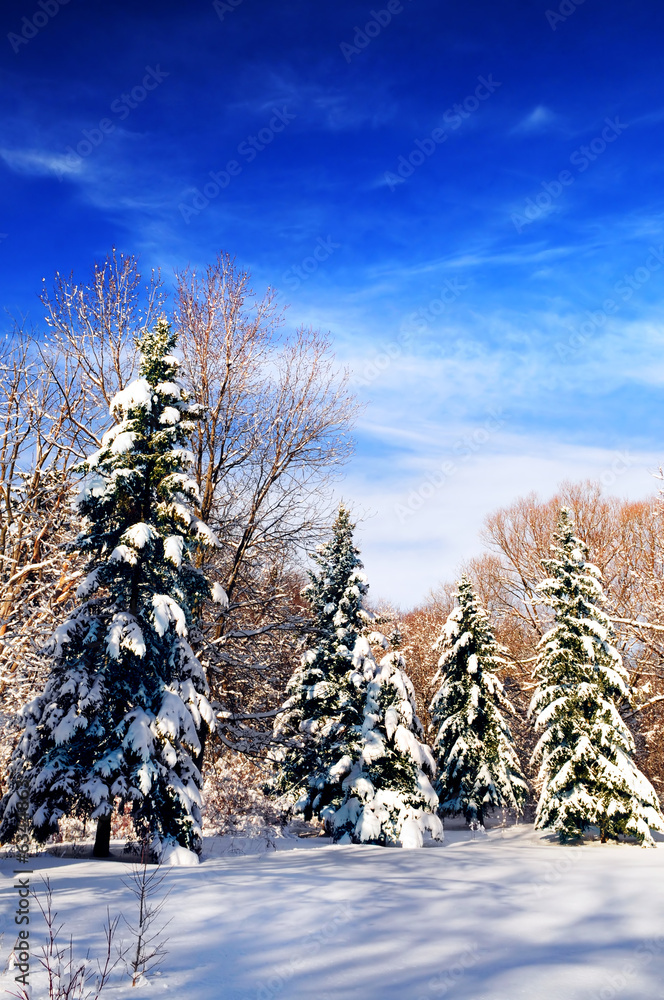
{"x": 482, "y": 181}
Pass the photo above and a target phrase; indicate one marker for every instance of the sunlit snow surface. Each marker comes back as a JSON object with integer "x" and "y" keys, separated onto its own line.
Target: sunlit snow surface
{"x": 500, "y": 917}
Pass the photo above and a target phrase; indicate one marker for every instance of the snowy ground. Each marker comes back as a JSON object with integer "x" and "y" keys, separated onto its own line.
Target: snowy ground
{"x": 499, "y": 917}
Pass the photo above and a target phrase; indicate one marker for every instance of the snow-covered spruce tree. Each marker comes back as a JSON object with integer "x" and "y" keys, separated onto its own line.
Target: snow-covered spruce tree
{"x": 587, "y": 774}
{"x": 324, "y": 711}
{"x": 124, "y": 707}
{"x": 478, "y": 767}
{"x": 388, "y": 796}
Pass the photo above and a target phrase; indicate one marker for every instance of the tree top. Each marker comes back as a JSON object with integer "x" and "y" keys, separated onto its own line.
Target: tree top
{"x": 157, "y": 362}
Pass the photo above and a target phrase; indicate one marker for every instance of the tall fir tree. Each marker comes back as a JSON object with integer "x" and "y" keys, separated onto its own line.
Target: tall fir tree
{"x": 125, "y": 706}
{"x": 388, "y": 796}
{"x": 587, "y": 774}
{"x": 478, "y": 766}
{"x": 324, "y": 711}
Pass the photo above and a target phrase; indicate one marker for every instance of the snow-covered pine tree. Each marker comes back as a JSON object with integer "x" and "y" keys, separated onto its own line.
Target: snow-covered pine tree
{"x": 587, "y": 774}
{"x": 324, "y": 711}
{"x": 121, "y": 715}
{"x": 478, "y": 766}
{"x": 388, "y": 796}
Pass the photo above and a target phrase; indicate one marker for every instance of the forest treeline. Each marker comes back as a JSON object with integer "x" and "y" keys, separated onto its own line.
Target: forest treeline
{"x": 625, "y": 541}
{"x": 277, "y": 431}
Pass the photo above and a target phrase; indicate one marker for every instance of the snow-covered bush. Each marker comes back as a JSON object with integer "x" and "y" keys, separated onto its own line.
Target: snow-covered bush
{"x": 234, "y": 801}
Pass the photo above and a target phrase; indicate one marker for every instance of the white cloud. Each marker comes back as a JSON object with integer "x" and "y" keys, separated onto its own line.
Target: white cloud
{"x": 405, "y": 556}
{"x": 36, "y": 163}
{"x": 430, "y": 403}
{"x": 527, "y": 253}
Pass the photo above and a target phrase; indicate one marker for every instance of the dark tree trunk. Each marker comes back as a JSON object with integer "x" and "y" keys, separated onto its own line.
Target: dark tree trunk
{"x": 203, "y": 737}
{"x": 102, "y": 848}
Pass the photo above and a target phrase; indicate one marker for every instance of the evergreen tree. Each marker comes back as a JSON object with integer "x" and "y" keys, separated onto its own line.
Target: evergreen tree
{"x": 351, "y": 755}
{"x": 477, "y": 761}
{"x": 388, "y": 796}
{"x": 323, "y": 714}
{"x": 587, "y": 774}
{"x": 122, "y": 714}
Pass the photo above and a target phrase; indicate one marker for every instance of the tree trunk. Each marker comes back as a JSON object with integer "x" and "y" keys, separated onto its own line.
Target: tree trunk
{"x": 102, "y": 848}
{"x": 203, "y": 738}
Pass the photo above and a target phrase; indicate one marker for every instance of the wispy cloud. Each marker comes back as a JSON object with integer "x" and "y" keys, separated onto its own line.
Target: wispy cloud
{"x": 540, "y": 119}
{"x": 529, "y": 253}
{"x": 328, "y": 106}
{"x": 37, "y": 163}
{"x": 444, "y": 531}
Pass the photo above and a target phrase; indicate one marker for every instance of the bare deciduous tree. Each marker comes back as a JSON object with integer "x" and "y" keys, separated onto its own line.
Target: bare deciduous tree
{"x": 95, "y": 324}
{"x": 625, "y": 541}
{"x": 54, "y": 394}
{"x": 277, "y": 431}
{"x": 36, "y": 576}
